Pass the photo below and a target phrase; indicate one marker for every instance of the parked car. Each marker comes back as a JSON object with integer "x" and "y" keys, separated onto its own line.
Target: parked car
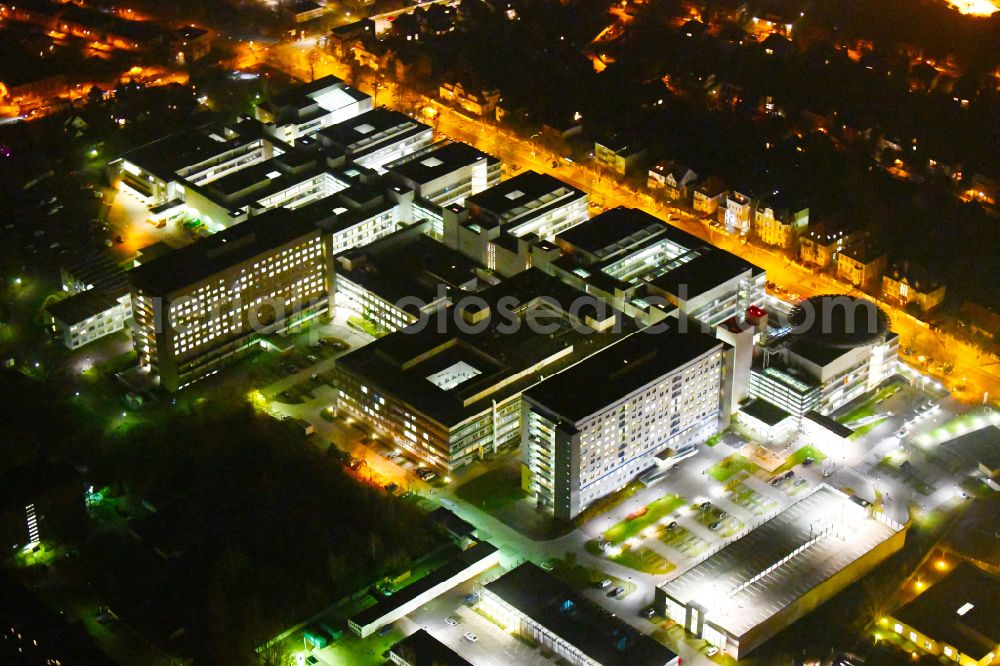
{"x": 547, "y": 566}
{"x": 808, "y": 462}
{"x": 712, "y": 651}
{"x": 450, "y": 621}
{"x": 716, "y": 525}
{"x": 471, "y": 637}
{"x": 704, "y": 506}
{"x": 648, "y": 612}
{"x": 671, "y": 525}
{"x": 604, "y": 584}
{"x": 616, "y": 591}
{"x": 827, "y": 472}
{"x": 384, "y": 630}
{"x": 799, "y": 482}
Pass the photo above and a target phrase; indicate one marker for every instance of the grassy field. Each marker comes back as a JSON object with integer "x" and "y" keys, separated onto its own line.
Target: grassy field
{"x": 492, "y": 490}
{"x": 723, "y": 470}
{"x": 655, "y": 511}
{"x": 639, "y": 558}
{"x": 800, "y": 455}
{"x": 867, "y": 408}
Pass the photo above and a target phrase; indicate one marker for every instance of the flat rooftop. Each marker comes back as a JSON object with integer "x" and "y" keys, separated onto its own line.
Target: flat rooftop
{"x": 580, "y": 622}
{"x": 619, "y": 370}
{"x": 960, "y": 610}
{"x": 82, "y": 306}
{"x": 201, "y": 260}
{"x": 764, "y": 411}
{"x": 406, "y": 264}
{"x": 528, "y": 189}
{"x": 615, "y": 231}
{"x": 455, "y": 565}
{"x": 732, "y": 585}
{"x": 981, "y": 447}
{"x": 437, "y": 160}
{"x": 529, "y": 332}
{"x": 168, "y": 154}
{"x": 706, "y": 270}
{"x": 421, "y": 649}
{"x": 371, "y": 131}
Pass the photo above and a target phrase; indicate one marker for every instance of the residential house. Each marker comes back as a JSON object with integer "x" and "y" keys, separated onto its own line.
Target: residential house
{"x": 479, "y": 100}
{"x": 706, "y": 197}
{"x": 861, "y": 264}
{"x": 672, "y": 179}
{"x": 821, "y": 245}
{"x": 737, "y": 213}
{"x": 906, "y": 282}
{"x": 619, "y": 155}
{"x": 780, "y": 222}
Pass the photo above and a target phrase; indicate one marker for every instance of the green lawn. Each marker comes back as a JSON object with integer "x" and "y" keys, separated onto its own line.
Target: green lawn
{"x": 655, "y": 511}
{"x": 800, "y": 455}
{"x": 726, "y": 468}
{"x": 867, "y": 408}
{"x": 492, "y": 490}
{"x": 867, "y": 428}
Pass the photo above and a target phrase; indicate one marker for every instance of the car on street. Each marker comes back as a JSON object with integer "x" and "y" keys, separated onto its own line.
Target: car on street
{"x": 471, "y": 598}
{"x": 471, "y": 637}
{"x": 450, "y": 621}
{"x": 827, "y": 472}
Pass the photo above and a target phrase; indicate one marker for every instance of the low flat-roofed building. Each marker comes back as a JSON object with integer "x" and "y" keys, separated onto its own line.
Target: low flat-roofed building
{"x": 535, "y": 604}
{"x": 779, "y": 571}
{"x": 648, "y": 268}
{"x": 392, "y": 281}
{"x": 446, "y": 172}
{"x": 159, "y": 171}
{"x": 979, "y": 448}
{"x": 303, "y": 110}
{"x": 448, "y": 388}
{"x": 84, "y": 317}
{"x": 190, "y": 43}
{"x": 199, "y": 306}
{"x": 955, "y": 618}
{"x": 377, "y": 137}
{"x": 421, "y": 649}
{"x": 590, "y": 429}
{"x": 823, "y": 430}
{"x": 462, "y": 566}
{"x": 766, "y": 421}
